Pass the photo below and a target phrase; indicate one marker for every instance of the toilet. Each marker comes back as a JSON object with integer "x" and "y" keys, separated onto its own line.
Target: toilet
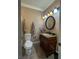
{"x": 28, "y": 44}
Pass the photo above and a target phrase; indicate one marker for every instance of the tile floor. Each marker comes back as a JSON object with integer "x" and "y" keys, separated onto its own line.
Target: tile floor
{"x": 32, "y": 56}
{"x": 37, "y": 53}
{"x": 40, "y": 52}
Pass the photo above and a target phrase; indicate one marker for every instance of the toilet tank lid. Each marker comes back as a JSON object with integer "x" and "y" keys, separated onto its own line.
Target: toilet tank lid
{"x": 27, "y": 33}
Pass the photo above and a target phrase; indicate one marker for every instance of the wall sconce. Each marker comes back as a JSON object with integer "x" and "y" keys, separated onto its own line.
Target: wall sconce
{"x": 55, "y": 10}
{"x": 44, "y": 17}
{"x": 48, "y": 14}
{"x": 51, "y": 13}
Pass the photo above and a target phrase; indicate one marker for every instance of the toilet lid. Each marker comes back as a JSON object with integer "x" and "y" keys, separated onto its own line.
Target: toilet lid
{"x": 28, "y": 44}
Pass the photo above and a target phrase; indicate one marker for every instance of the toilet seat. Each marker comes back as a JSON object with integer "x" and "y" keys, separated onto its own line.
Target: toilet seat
{"x": 28, "y": 44}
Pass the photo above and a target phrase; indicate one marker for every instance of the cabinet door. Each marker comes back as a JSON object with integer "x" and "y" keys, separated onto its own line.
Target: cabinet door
{"x": 45, "y": 44}
{"x": 52, "y": 41}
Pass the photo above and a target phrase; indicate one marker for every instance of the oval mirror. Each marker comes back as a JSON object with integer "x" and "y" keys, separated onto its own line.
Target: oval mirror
{"x": 50, "y": 23}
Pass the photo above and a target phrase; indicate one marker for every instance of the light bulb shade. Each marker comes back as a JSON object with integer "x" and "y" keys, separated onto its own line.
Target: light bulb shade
{"x": 48, "y": 14}
{"x": 55, "y": 11}
{"x": 45, "y": 16}
{"x": 51, "y": 13}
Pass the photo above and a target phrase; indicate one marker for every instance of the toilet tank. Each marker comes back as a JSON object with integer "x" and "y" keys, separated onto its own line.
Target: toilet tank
{"x": 27, "y": 36}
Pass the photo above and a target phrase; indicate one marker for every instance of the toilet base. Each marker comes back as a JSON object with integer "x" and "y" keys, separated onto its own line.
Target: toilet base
{"x": 28, "y": 51}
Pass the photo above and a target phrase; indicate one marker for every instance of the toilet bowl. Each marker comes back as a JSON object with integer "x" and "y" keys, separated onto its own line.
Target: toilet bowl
{"x": 28, "y": 44}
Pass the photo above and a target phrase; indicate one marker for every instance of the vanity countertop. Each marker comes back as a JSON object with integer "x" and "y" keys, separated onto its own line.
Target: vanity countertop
{"x": 48, "y": 35}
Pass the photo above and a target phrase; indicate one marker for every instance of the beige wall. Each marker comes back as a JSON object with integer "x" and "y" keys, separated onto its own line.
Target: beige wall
{"x": 30, "y": 15}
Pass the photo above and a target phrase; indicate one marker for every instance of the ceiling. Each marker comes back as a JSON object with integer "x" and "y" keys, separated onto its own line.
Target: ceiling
{"x": 40, "y": 5}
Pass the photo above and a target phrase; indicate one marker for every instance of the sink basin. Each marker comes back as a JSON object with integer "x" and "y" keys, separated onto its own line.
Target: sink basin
{"x": 48, "y": 35}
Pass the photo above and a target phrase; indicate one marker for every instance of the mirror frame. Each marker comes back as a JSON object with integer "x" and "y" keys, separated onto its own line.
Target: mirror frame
{"x": 52, "y": 25}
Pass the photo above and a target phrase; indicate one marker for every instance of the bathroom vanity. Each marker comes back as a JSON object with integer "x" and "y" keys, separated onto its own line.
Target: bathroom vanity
{"x": 48, "y": 43}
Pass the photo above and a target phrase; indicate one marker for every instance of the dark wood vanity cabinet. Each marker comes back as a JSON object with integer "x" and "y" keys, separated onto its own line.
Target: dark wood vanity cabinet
{"x": 48, "y": 44}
